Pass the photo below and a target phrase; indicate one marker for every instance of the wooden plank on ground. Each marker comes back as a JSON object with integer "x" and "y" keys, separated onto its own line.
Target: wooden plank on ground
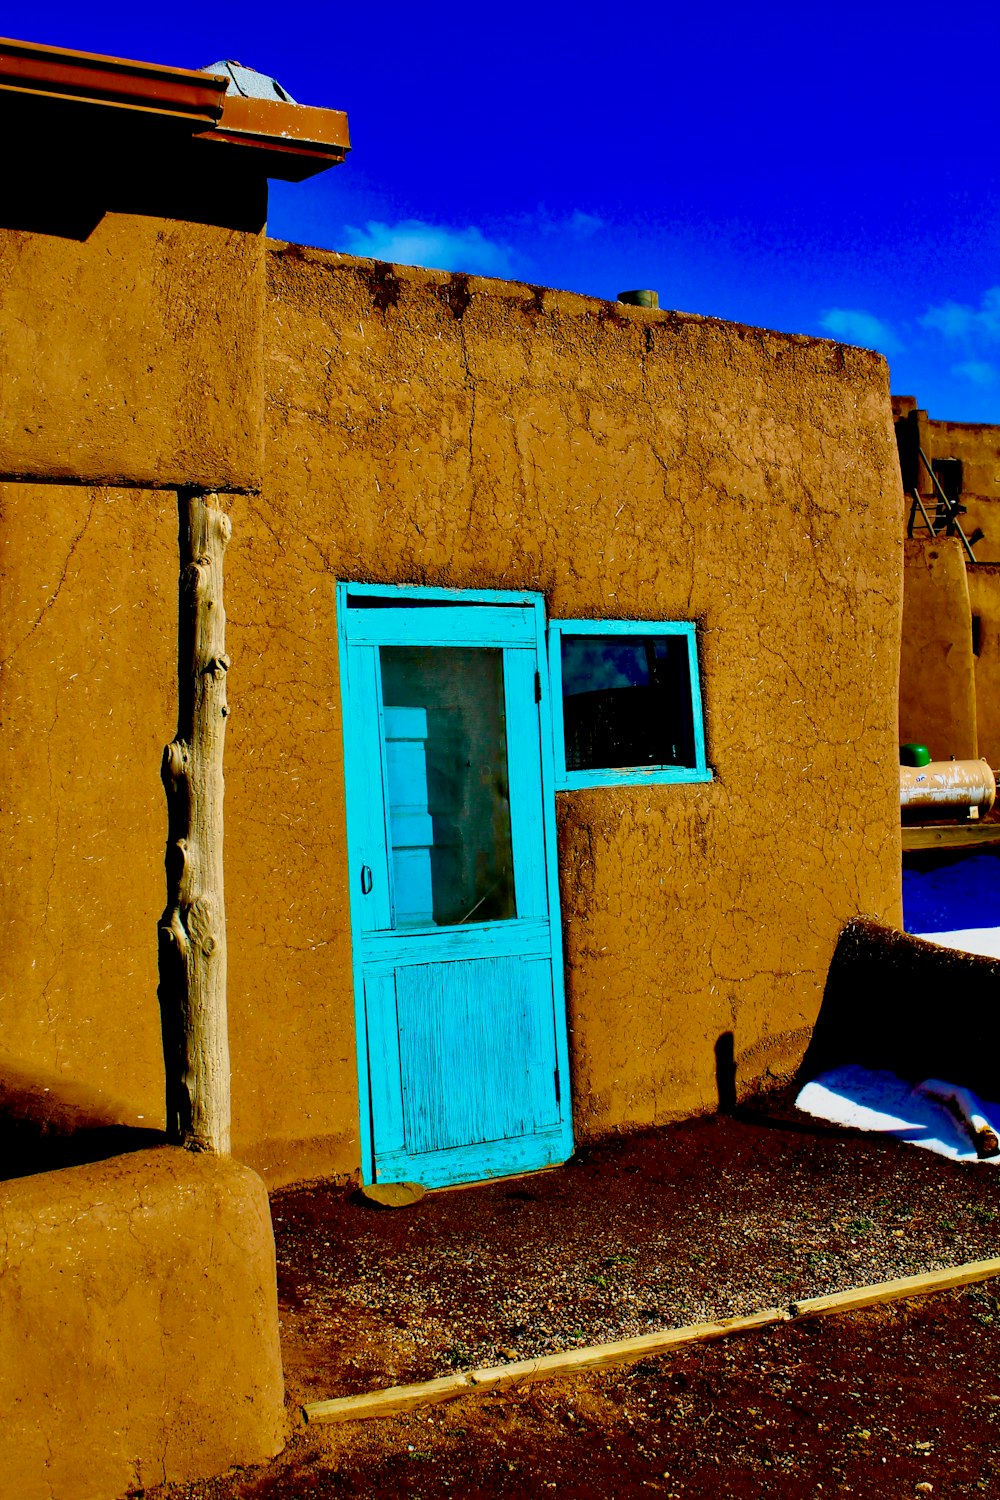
{"x": 951, "y": 836}
{"x": 895, "y": 1291}
{"x": 387, "y": 1403}
{"x": 623, "y": 1352}
{"x": 403, "y": 1398}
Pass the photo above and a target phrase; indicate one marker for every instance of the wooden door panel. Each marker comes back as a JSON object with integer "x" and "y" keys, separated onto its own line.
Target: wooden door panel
{"x": 383, "y": 1064}
{"x": 476, "y": 1052}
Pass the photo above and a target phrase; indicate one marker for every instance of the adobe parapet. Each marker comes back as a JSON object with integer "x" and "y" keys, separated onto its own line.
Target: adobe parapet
{"x": 131, "y": 266}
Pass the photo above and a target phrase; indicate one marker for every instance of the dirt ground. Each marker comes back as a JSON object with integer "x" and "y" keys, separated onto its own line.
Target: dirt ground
{"x": 872, "y": 1404}
{"x": 708, "y": 1218}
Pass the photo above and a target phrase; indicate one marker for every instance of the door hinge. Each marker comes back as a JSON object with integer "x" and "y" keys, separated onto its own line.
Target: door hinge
{"x": 538, "y": 687}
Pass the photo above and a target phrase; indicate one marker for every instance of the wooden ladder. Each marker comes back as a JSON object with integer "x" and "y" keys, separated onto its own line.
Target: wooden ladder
{"x": 946, "y": 518}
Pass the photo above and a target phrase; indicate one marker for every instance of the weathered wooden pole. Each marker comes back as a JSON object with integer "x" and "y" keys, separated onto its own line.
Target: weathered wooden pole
{"x": 192, "y": 935}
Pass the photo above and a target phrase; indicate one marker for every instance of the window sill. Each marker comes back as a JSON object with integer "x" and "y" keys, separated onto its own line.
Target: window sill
{"x": 574, "y": 781}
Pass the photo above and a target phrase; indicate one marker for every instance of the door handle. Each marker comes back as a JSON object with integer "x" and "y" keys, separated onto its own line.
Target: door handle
{"x": 366, "y": 880}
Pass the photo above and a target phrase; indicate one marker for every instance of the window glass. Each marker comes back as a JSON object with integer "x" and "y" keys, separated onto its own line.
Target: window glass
{"x": 446, "y": 764}
{"x": 626, "y": 701}
{"x": 630, "y": 703}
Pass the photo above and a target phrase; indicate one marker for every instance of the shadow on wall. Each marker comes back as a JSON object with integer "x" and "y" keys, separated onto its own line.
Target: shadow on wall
{"x": 725, "y": 1073}
{"x": 897, "y": 1002}
{"x": 70, "y": 172}
{"x": 46, "y": 1123}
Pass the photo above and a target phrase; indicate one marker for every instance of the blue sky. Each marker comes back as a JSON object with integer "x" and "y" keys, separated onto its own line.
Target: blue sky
{"x": 818, "y": 169}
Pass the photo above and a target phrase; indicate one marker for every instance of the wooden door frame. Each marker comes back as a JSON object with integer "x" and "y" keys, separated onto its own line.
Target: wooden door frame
{"x": 406, "y": 593}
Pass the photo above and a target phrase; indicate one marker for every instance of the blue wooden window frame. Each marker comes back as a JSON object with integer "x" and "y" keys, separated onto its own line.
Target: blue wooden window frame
{"x": 625, "y": 775}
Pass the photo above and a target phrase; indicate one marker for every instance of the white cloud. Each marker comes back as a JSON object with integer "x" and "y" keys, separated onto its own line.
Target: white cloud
{"x": 412, "y": 242}
{"x": 855, "y": 326}
{"x": 978, "y": 371}
{"x": 584, "y": 225}
{"x": 578, "y": 224}
{"x": 956, "y": 320}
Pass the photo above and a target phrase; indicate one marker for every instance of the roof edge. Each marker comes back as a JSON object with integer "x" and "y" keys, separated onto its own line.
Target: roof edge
{"x": 284, "y": 140}
{"x": 90, "y": 78}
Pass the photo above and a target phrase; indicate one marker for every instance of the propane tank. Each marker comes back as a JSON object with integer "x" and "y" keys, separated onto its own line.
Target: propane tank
{"x": 947, "y": 788}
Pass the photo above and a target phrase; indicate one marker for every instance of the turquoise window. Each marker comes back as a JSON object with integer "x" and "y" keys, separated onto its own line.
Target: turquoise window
{"x": 627, "y": 703}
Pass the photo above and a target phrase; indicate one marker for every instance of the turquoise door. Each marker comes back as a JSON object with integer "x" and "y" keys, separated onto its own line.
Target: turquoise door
{"x": 454, "y": 903}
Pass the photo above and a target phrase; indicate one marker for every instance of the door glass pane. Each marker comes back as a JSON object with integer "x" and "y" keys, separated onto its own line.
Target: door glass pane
{"x": 449, "y": 808}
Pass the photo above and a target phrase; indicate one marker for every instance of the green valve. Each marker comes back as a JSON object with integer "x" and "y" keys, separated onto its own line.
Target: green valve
{"x": 914, "y": 755}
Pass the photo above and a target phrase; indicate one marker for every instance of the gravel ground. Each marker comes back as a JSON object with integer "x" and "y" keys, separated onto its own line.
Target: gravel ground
{"x": 708, "y": 1218}
{"x": 894, "y": 1403}
{"x": 704, "y": 1219}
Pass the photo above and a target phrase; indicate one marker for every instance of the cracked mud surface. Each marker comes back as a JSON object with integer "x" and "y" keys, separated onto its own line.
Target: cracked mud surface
{"x": 714, "y": 1216}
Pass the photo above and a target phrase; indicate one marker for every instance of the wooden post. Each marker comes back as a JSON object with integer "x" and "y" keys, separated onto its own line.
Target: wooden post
{"x": 192, "y": 934}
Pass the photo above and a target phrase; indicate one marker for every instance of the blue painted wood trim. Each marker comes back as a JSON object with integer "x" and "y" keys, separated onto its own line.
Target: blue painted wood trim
{"x": 510, "y": 625}
{"x": 552, "y": 875}
{"x": 524, "y": 736}
{"x": 404, "y": 591}
{"x": 637, "y": 776}
{"x": 697, "y": 708}
{"x": 626, "y": 775}
{"x": 476, "y": 1163}
{"x": 452, "y": 944}
{"x": 352, "y": 772}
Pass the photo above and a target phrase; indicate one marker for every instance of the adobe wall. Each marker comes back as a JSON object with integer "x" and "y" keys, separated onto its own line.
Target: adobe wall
{"x": 88, "y": 664}
{"x": 88, "y": 671}
{"x": 426, "y": 428}
{"x": 465, "y": 433}
{"x": 977, "y": 444}
{"x": 138, "y": 1326}
{"x": 984, "y": 599}
{"x": 937, "y": 683}
{"x": 132, "y": 356}
{"x": 883, "y": 1009}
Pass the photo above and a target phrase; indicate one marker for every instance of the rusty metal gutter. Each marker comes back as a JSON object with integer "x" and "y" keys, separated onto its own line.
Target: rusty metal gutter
{"x": 283, "y": 140}
{"x": 115, "y": 82}
{"x": 291, "y": 141}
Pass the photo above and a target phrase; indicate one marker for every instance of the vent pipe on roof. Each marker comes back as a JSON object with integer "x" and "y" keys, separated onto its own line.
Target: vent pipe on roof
{"x": 249, "y": 83}
{"x": 640, "y": 299}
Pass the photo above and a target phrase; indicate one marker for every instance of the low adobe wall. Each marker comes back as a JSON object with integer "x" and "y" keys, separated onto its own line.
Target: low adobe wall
{"x": 901, "y": 1003}
{"x": 138, "y": 1326}
{"x": 937, "y": 671}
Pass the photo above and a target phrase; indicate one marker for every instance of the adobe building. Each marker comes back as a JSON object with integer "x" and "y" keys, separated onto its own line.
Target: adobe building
{"x": 562, "y": 656}
{"x": 950, "y": 665}
{"x": 716, "y": 505}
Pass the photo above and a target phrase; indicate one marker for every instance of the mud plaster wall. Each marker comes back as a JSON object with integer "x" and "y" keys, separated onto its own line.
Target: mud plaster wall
{"x": 88, "y": 700}
{"x": 467, "y": 433}
{"x": 978, "y": 446}
{"x": 138, "y": 1326}
{"x": 132, "y": 356}
{"x": 88, "y": 677}
{"x": 471, "y": 434}
{"x": 937, "y": 688}
{"x": 984, "y": 599}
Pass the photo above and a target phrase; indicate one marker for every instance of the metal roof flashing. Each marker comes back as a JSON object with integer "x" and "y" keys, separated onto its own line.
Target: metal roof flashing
{"x": 273, "y": 134}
